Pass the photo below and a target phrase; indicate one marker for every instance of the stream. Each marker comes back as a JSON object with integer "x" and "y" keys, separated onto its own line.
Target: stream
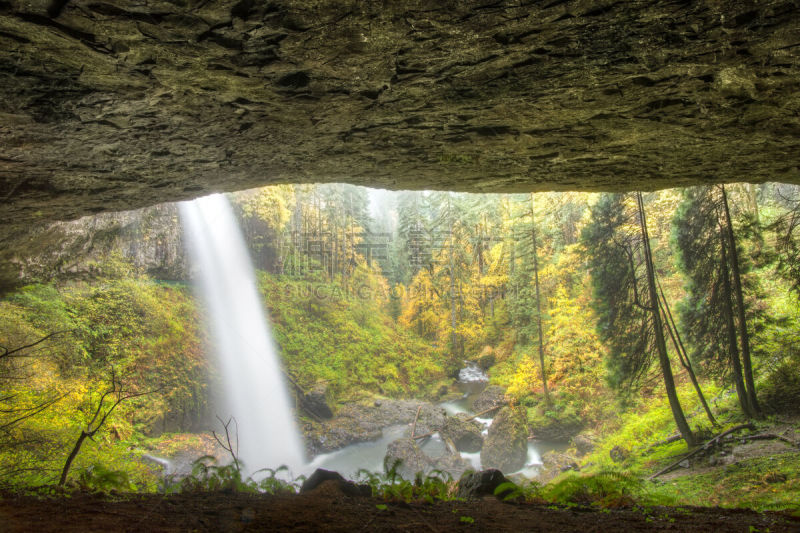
{"x": 369, "y": 455}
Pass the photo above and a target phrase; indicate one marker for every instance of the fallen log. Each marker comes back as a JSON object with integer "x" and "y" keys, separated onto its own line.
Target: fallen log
{"x": 772, "y": 436}
{"x": 486, "y": 411}
{"x": 713, "y": 442}
{"x": 669, "y": 440}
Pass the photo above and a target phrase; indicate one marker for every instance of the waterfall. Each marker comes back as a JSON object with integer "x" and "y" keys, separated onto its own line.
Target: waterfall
{"x": 254, "y": 390}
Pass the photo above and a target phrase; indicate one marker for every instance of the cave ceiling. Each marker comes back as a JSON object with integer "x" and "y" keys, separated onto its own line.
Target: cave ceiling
{"x": 110, "y": 105}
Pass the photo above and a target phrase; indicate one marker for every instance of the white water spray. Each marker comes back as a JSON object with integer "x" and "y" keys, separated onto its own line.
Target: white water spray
{"x": 255, "y": 392}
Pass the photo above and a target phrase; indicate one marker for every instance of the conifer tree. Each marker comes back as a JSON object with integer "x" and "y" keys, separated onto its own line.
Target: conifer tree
{"x": 714, "y": 313}
{"x": 626, "y": 300}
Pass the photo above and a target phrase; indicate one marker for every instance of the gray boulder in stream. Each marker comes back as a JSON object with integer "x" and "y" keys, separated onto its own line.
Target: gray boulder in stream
{"x": 464, "y": 433}
{"x": 412, "y": 458}
{"x": 491, "y": 396}
{"x": 506, "y": 445}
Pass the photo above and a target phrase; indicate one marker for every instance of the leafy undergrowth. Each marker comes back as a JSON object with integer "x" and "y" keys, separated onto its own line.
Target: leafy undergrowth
{"x": 768, "y": 482}
{"x": 762, "y": 483}
{"x": 341, "y": 334}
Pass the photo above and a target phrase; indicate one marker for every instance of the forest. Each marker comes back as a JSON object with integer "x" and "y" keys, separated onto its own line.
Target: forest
{"x": 631, "y": 332}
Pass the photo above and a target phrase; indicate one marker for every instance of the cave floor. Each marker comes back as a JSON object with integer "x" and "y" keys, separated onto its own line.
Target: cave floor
{"x": 327, "y": 509}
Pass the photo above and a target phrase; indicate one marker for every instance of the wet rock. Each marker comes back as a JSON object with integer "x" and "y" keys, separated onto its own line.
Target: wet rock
{"x": 464, "y": 433}
{"x": 364, "y": 422}
{"x": 563, "y": 462}
{"x": 315, "y": 100}
{"x": 558, "y": 429}
{"x": 506, "y": 445}
{"x": 454, "y": 465}
{"x": 555, "y": 463}
{"x": 411, "y": 457}
{"x": 150, "y": 239}
{"x": 477, "y": 484}
{"x": 318, "y": 400}
{"x": 491, "y": 396}
{"x": 722, "y": 458}
{"x": 583, "y": 444}
{"x": 321, "y": 476}
{"x": 431, "y": 418}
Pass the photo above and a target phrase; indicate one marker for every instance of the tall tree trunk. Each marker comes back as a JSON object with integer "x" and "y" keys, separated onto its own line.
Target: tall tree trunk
{"x": 683, "y": 357}
{"x": 738, "y": 292}
{"x": 453, "y": 334}
{"x": 658, "y": 331}
{"x": 538, "y": 306}
{"x": 733, "y": 346}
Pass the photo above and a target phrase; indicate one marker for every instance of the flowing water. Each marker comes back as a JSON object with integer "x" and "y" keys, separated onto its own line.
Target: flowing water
{"x": 369, "y": 455}
{"x": 255, "y": 394}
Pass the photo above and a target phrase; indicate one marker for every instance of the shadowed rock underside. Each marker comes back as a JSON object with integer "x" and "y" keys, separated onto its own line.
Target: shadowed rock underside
{"x": 120, "y": 104}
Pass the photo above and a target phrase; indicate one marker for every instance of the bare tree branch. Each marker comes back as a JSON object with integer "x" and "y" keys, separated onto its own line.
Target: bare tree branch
{"x": 16, "y": 351}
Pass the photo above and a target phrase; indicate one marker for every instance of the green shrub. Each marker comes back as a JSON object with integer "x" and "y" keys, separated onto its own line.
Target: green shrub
{"x": 780, "y": 393}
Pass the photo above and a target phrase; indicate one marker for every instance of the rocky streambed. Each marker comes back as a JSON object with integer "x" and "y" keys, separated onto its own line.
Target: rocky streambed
{"x": 471, "y": 429}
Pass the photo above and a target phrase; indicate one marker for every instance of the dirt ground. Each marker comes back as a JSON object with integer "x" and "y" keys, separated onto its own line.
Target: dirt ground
{"x": 328, "y": 509}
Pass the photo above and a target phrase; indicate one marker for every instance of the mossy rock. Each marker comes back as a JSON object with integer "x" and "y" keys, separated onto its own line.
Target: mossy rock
{"x": 491, "y": 396}
{"x": 506, "y": 445}
{"x": 465, "y": 434}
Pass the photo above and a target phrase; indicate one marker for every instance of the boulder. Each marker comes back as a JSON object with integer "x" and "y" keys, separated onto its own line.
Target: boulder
{"x": 477, "y": 484}
{"x": 506, "y": 445}
{"x": 491, "y": 396}
{"x": 583, "y": 444}
{"x": 321, "y": 476}
{"x": 431, "y": 418}
{"x": 411, "y": 457}
{"x": 455, "y": 465}
{"x": 556, "y": 429}
{"x": 360, "y": 422}
{"x": 487, "y": 358}
{"x": 464, "y": 433}
{"x": 318, "y": 400}
{"x": 554, "y": 463}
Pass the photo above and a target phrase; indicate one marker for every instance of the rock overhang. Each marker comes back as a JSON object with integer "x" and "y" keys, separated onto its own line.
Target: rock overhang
{"x": 121, "y": 104}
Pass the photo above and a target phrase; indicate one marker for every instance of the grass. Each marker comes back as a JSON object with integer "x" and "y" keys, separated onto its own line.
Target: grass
{"x": 761, "y": 483}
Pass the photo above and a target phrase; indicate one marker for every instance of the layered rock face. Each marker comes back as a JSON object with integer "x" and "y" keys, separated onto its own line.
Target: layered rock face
{"x": 149, "y": 239}
{"x": 118, "y": 105}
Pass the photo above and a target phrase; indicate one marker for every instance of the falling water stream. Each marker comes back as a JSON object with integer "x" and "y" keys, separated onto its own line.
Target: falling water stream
{"x": 255, "y": 394}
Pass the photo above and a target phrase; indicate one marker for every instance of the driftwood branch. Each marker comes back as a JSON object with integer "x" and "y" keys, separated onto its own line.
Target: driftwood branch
{"x": 414, "y": 427}
{"x": 772, "y": 436}
{"x": 486, "y": 411}
{"x": 668, "y": 440}
{"x": 713, "y": 442}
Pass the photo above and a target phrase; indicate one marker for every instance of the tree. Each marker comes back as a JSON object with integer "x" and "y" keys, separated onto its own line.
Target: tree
{"x": 707, "y": 248}
{"x": 115, "y": 395}
{"x": 787, "y": 230}
{"x": 626, "y": 299}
